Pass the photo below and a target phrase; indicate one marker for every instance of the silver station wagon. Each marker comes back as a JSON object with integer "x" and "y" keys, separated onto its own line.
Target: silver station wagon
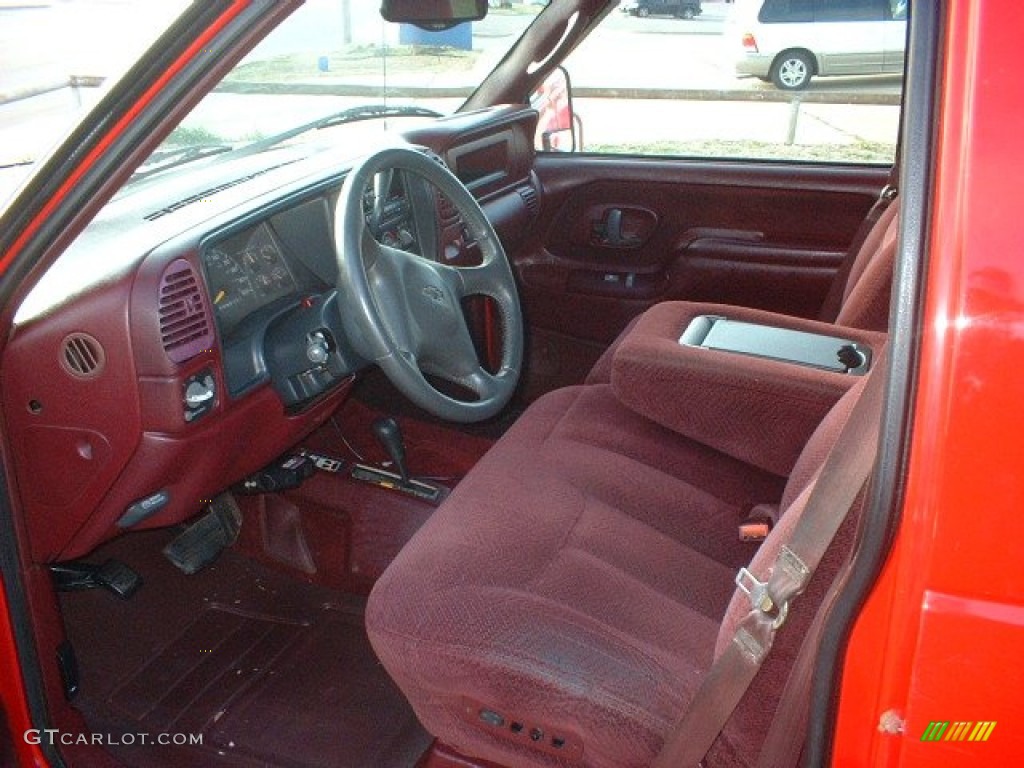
{"x": 788, "y": 42}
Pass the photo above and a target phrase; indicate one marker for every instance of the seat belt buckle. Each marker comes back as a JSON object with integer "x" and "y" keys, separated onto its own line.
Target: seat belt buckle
{"x": 754, "y": 530}
{"x": 759, "y": 522}
{"x": 760, "y": 598}
{"x": 756, "y": 590}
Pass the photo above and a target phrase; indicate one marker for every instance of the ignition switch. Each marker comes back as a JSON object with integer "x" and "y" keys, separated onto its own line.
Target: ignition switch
{"x": 318, "y": 347}
{"x": 200, "y": 395}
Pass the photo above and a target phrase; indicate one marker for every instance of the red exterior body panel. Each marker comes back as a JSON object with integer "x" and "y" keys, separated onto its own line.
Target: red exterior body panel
{"x": 12, "y": 686}
{"x": 941, "y": 637}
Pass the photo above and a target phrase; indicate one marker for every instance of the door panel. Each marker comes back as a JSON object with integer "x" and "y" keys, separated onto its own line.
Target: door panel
{"x": 791, "y": 279}
{"x": 761, "y": 235}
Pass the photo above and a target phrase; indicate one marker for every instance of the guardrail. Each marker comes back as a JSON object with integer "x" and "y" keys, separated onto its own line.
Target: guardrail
{"x": 581, "y": 92}
{"x": 448, "y": 92}
{"x": 75, "y": 83}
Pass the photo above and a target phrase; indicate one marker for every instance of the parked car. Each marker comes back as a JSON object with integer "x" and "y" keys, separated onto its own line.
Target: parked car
{"x": 218, "y": 551}
{"x": 788, "y": 43}
{"x": 681, "y": 9}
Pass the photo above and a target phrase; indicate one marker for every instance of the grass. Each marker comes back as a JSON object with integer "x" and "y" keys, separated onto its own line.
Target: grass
{"x": 185, "y": 136}
{"x": 859, "y": 152}
{"x": 199, "y": 135}
{"x": 356, "y": 60}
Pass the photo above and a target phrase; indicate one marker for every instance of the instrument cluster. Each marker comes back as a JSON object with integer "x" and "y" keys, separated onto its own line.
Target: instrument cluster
{"x": 245, "y": 272}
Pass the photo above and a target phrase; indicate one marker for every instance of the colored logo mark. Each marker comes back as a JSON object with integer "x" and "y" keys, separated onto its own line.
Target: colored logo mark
{"x": 958, "y": 731}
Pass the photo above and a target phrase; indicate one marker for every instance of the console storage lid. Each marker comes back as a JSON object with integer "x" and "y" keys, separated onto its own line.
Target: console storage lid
{"x": 818, "y": 350}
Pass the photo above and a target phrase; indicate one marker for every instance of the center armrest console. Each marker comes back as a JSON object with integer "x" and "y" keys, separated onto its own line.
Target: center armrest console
{"x": 749, "y": 383}
{"x": 830, "y": 353}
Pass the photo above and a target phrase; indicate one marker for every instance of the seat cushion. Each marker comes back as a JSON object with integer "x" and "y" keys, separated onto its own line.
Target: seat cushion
{"x": 574, "y": 583}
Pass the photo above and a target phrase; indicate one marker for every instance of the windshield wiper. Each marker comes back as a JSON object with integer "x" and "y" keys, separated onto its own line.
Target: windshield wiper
{"x": 352, "y": 115}
{"x": 164, "y": 159}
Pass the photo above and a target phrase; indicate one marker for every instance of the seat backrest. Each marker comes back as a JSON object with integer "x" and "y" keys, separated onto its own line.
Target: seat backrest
{"x": 860, "y": 297}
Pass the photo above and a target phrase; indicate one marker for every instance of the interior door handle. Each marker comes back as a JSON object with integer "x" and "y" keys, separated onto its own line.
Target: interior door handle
{"x": 608, "y": 231}
{"x": 613, "y": 226}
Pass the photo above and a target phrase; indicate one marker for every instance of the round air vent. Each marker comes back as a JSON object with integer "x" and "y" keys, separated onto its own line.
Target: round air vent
{"x": 81, "y": 355}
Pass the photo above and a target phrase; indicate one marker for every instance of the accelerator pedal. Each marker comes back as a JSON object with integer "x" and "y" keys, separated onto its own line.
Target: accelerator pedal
{"x": 203, "y": 541}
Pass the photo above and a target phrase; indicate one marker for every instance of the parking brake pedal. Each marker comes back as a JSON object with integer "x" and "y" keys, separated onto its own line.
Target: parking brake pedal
{"x": 113, "y": 576}
{"x": 203, "y": 541}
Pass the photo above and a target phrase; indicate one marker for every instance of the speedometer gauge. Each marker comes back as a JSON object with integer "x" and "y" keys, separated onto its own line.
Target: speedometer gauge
{"x": 231, "y": 288}
{"x": 267, "y": 270}
{"x": 245, "y": 272}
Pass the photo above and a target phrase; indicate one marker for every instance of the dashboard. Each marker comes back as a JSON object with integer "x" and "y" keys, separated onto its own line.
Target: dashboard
{"x": 193, "y": 333}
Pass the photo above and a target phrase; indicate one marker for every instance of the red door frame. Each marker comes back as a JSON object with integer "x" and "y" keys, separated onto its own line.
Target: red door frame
{"x": 940, "y": 639}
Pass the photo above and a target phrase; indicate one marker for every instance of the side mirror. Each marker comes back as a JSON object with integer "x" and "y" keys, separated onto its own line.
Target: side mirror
{"x": 559, "y": 129}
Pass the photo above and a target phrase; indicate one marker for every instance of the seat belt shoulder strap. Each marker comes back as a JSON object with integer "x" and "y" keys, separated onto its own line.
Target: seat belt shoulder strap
{"x": 841, "y": 479}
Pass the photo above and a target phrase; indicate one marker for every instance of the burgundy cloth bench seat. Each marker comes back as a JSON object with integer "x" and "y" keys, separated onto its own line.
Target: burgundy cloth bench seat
{"x": 574, "y": 586}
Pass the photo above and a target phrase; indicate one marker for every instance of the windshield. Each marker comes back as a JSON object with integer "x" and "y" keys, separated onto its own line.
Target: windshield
{"x": 54, "y": 61}
{"x": 338, "y": 62}
{"x": 327, "y": 57}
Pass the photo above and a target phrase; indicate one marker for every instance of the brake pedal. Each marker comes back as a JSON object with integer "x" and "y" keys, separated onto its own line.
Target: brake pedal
{"x": 203, "y": 541}
{"x": 113, "y": 576}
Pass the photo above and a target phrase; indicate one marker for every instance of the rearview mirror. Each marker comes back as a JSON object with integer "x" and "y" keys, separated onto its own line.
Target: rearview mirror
{"x": 433, "y": 15}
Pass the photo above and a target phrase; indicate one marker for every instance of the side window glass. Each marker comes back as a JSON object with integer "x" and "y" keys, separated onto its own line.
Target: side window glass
{"x": 850, "y": 10}
{"x": 899, "y": 9}
{"x": 730, "y": 84}
{"x": 782, "y": 11}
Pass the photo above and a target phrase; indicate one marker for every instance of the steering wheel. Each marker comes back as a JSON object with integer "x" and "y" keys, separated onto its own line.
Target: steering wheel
{"x": 404, "y": 311}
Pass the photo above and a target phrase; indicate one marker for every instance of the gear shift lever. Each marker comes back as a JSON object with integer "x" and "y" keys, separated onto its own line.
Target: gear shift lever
{"x": 389, "y": 435}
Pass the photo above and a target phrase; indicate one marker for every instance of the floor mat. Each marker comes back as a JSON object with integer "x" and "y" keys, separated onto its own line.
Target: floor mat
{"x": 266, "y": 669}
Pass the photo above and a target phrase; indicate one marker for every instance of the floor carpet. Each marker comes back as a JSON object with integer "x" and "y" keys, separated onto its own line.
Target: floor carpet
{"x": 266, "y": 669}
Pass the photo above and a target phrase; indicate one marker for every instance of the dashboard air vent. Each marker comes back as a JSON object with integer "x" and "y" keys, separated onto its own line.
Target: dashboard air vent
{"x": 530, "y": 197}
{"x": 185, "y": 328}
{"x": 82, "y": 356}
